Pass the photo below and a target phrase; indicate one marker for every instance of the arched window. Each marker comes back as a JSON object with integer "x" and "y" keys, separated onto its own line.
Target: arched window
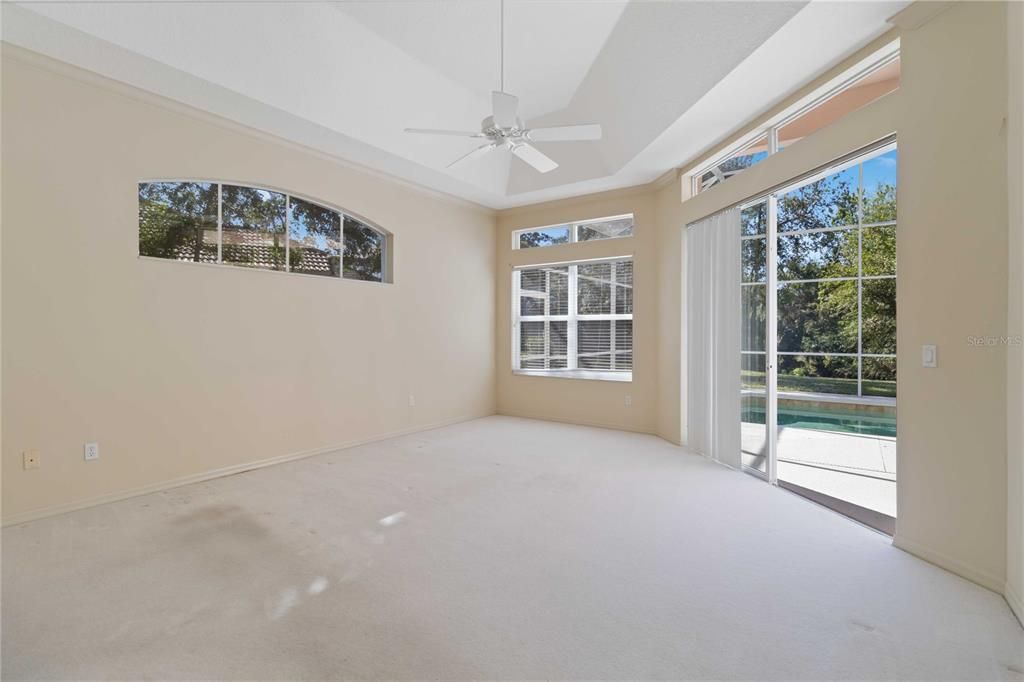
{"x": 253, "y": 227}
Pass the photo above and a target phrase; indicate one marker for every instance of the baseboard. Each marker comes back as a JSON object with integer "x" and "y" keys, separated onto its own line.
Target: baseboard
{"x": 576, "y": 422}
{"x": 983, "y": 578}
{"x": 1015, "y": 602}
{"x": 56, "y": 510}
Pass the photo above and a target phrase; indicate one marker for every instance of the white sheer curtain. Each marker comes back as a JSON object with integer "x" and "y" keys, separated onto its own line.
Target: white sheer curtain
{"x": 713, "y": 336}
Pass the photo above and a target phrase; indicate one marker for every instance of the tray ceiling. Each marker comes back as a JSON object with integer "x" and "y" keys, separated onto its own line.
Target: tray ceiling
{"x": 664, "y": 79}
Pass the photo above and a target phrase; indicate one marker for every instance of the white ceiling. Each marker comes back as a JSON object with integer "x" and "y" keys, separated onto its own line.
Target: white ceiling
{"x": 665, "y": 79}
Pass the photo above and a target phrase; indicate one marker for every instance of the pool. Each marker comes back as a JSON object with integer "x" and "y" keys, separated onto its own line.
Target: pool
{"x": 820, "y": 416}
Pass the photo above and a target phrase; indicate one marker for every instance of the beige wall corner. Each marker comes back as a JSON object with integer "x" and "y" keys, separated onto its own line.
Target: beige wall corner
{"x": 184, "y": 370}
{"x": 668, "y": 202}
{"x": 1015, "y": 326}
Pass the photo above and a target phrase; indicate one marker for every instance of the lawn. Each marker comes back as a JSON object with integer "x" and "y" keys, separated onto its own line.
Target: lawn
{"x": 798, "y": 384}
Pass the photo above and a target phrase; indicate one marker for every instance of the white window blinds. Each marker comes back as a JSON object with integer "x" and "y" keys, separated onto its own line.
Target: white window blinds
{"x": 575, "y": 316}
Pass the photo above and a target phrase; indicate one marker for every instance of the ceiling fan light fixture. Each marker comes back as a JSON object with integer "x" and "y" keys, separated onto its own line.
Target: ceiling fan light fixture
{"x": 505, "y": 129}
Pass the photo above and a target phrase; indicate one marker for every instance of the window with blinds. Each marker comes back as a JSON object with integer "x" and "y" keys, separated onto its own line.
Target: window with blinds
{"x": 574, "y": 318}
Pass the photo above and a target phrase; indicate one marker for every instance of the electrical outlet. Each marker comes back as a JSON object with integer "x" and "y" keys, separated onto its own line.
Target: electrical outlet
{"x": 30, "y": 459}
{"x": 628, "y": 400}
{"x": 412, "y": 400}
{"x": 92, "y": 451}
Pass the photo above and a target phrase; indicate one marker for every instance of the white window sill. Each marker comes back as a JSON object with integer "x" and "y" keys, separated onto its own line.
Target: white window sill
{"x": 590, "y": 374}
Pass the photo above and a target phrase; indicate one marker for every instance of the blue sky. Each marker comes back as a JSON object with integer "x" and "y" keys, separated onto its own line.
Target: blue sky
{"x": 881, "y": 169}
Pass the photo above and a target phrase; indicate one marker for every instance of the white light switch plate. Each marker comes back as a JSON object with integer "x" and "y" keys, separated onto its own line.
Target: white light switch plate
{"x": 92, "y": 450}
{"x": 929, "y": 356}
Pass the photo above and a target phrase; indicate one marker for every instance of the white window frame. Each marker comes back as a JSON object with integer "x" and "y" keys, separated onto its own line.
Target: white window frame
{"x": 573, "y": 231}
{"x": 571, "y": 318}
{"x": 386, "y": 237}
{"x": 745, "y": 143}
{"x": 770, "y": 128}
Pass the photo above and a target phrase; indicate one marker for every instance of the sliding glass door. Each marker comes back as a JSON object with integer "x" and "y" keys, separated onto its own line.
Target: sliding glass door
{"x": 753, "y": 339}
{"x": 818, "y": 355}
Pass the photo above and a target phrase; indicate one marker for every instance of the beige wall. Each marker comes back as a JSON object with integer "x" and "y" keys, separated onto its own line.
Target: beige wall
{"x": 583, "y": 401}
{"x": 672, "y": 217}
{"x": 179, "y": 369}
{"x": 1015, "y": 328}
{"x": 951, "y": 246}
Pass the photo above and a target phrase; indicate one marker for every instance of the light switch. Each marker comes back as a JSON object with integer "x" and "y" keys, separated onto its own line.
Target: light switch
{"x": 929, "y": 356}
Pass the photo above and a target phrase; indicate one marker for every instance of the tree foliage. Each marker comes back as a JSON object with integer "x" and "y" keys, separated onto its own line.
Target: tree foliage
{"x": 315, "y": 231}
{"x": 822, "y": 317}
{"x": 364, "y": 251}
{"x": 546, "y": 237}
{"x": 174, "y": 217}
{"x": 254, "y": 224}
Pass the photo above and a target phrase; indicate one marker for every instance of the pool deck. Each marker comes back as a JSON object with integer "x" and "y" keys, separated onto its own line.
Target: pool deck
{"x": 852, "y": 467}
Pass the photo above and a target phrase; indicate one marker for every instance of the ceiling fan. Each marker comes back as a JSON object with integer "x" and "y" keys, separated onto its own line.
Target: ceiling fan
{"x": 503, "y": 129}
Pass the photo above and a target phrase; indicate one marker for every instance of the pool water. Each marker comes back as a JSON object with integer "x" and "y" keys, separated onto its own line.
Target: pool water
{"x": 827, "y": 419}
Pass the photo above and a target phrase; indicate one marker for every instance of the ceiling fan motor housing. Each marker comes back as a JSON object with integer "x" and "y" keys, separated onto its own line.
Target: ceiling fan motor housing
{"x": 501, "y": 136}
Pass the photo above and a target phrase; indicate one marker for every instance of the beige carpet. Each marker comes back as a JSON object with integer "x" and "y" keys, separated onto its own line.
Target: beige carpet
{"x": 499, "y": 548}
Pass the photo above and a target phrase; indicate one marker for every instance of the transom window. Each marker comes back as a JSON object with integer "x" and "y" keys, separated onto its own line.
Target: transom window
{"x": 574, "y": 319}
{"x": 584, "y": 231}
{"x": 209, "y": 222}
{"x": 876, "y": 76}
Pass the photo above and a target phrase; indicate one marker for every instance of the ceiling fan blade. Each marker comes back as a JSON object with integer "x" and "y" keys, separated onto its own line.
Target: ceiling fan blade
{"x": 434, "y": 131}
{"x": 479, "y": 151}
{"x": 505, "y": 107}
{"x": 588, "y": 131}
{"x": 534, "y": 157}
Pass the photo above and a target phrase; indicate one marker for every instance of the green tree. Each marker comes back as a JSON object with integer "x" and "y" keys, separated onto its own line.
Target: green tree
{"x": 315, "y": 237}
{"x": 364, "y": 251}
{"x": 174, "y": 218}
{"x": 543, "y": 238}
{"x": 822, "y": 316}
{"x": 253, "y": 226}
